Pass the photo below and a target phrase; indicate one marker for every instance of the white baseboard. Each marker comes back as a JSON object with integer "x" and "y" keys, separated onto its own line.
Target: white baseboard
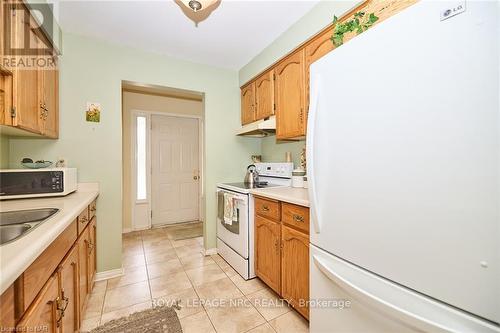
{"x": 127, "y": 230}
{"x": 99, "y": 276}
{"x": 209, "y": 252}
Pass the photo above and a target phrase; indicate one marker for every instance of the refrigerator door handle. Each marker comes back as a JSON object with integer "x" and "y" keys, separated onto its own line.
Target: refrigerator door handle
{"x": 311, "y": 125}
{"x": 398, "y": 302}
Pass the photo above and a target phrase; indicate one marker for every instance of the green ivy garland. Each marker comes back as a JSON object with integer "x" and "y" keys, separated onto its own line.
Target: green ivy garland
{"x": 359, "y": 23}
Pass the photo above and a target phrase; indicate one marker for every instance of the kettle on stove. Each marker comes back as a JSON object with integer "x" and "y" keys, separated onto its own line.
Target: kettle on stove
{"x": 252, "y": 176}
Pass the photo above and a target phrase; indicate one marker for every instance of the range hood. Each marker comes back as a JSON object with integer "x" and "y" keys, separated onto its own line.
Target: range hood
{"x": 259, "y": 128}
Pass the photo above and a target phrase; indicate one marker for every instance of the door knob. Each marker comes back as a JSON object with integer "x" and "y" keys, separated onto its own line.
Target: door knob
{"x": 195, "y": 177}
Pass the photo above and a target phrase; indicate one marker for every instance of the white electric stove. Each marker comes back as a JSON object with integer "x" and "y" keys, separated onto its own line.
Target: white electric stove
{"x": 235, "y": 241}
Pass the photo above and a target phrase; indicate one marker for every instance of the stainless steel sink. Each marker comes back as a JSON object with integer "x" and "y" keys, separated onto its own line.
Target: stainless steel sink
{"x": 26, "y": 216}
{"x": 10, "y": 232}
{"x": 15, "y": 224}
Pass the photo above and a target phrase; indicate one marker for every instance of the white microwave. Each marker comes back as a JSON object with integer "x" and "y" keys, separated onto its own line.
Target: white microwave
{"x": 35, "y": 183}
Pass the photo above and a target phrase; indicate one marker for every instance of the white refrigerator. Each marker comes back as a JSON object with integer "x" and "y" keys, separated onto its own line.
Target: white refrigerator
{"x": 403, "y": 150}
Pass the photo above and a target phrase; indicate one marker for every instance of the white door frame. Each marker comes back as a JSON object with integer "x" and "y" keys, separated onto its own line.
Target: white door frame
{"x": 133, "y": 181}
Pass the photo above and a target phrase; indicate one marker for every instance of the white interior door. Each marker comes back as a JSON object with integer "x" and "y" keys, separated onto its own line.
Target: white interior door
{"x": 175, "y": 169}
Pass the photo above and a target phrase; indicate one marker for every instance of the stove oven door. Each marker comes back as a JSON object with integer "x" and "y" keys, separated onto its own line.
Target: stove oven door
{"x": 235, "y": 234}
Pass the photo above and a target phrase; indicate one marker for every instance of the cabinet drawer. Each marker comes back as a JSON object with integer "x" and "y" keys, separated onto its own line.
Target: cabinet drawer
{"x": 295, "y": 216}
{"x": 267, "y": 208}
{"x": 41, "y": 269}
{"x": 92, "y": 209}
{"x": 83, "y": 219}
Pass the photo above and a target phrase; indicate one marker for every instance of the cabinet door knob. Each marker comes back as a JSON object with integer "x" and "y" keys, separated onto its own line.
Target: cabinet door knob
{"x": 298, "y": 218}
{"x": 265, "y": 208}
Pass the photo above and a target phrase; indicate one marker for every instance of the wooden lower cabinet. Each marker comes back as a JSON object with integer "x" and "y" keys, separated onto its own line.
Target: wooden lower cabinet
{"x": 68, "y": 286}
{"x": 83, "y": 266}
{"x": 42, "y": 315}
{"x": 267, "y": 252}
{"x": 37, "y": 273}
{"x": 92, "y": 254}
{"x": 65, "y": 272}
{"x": 282, "y": 253}
{"x": 294, "y": 276}
{"x": 7, "y": 312}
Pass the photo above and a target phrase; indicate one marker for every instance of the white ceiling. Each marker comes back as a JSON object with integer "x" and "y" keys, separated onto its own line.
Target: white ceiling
{"x": 231, "y": 36}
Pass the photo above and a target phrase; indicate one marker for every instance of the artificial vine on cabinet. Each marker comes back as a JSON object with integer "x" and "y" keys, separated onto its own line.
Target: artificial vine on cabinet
{"x": 359, "y": 23}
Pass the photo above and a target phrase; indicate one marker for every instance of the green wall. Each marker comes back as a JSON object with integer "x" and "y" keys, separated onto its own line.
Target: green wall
{"x": 274, "y": 151}
{"x": 92, "y": 71}
{"x": 4, "y": 152}
{"x": 314, "y": 21}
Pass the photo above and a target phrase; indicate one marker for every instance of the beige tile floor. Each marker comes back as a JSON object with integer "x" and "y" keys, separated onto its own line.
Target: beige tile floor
{"x": 212, "y": 296}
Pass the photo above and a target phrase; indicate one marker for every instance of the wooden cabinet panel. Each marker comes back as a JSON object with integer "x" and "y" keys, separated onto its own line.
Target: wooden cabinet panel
{"x": 26, "y": 81}
{"x": 92, "y": 209}
{"x": 83, "y": 269}
{"x": 92, "y": 253}
{"x": 6, "y": 88}
{"x": 49, "y": 89}
{"x": 7, "y": 313}
{"x": 39, "y": 271}
{"x": 33, "y": 98}
{"x": 314, "y": 50}
{"x": 42, "y": 315}
{"x": 83, "y": 220}
{"x": 267, "y": 252}
{"x": 267, "y": 208}
{"x": 294, "y": 269}
{"x": 264, "y": 95}
{"x": 295, "y": 216}
{"x": 248, "y": 103}
{"x": 290, "y": 97}
{"x": 68, "y": 280}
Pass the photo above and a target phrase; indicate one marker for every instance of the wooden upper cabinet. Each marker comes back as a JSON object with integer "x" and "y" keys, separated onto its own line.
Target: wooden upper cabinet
{"x": 319, "y": 46}
{"x": 294, "y": 269}
{"x": 43, "y": 312}
{"x": 248, "y": 103}
{"x": 264, "y": 95}
{"x": 27, "y": 104}
{"x": 267, "y": 252}
{"x": 289, "y": 95}
{"x": 49, "y": 92}
{"x": 29, "y": 96}
{"x": 314, "y": 50}
{"x": 68, "y": 279}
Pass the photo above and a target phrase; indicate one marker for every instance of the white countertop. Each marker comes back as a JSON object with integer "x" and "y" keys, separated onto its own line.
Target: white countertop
{"x": 298, "y": 196}
{"x": 18, "y": 255}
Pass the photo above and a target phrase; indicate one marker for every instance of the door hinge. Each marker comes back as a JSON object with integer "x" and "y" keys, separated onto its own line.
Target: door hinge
{"x": 13, "y": 112}
{"x": 274, "y": 106}
{"x": 151, "y": 213}
{"x": 274, "y": 76}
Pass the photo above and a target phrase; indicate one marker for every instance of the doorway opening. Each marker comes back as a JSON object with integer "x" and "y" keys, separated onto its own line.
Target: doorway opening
{"x": 163, "y": 160}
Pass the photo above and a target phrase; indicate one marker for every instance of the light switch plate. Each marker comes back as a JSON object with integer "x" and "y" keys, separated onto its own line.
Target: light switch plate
{"x": 454, "y": 8}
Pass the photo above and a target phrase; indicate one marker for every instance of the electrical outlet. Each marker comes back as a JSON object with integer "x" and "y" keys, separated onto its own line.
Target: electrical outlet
{"x": 455, "y": 8}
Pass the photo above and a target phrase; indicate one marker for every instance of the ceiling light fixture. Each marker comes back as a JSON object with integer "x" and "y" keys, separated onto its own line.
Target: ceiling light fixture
{"x": 198, "y": 10}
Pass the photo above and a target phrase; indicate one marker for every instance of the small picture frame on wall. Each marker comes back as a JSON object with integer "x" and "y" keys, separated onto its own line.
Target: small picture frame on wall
{"x": 93, "y": 112}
